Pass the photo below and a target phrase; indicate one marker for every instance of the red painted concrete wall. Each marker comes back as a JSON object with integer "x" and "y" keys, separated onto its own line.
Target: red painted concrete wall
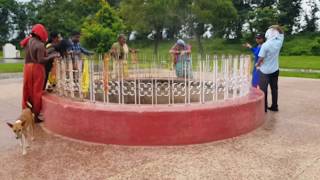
{"x": 153, "y": 125}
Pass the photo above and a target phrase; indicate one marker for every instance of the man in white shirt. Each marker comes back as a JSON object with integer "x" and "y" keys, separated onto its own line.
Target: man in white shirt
{"x": 268, "y": 64}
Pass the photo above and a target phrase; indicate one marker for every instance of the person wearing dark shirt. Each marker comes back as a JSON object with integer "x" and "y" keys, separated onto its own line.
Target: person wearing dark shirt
{"x": 75, "y": 44}
{"x": 77, "y": 50}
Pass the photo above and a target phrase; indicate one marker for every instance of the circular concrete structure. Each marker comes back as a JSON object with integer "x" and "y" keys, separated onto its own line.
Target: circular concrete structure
{"x": 153, "y": 125}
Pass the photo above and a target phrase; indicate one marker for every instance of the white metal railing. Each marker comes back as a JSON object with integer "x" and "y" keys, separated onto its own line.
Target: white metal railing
{"x": 144, "y": 79}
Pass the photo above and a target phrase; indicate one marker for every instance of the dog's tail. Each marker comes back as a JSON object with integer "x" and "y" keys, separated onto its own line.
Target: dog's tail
{"x": 29, "y": 105}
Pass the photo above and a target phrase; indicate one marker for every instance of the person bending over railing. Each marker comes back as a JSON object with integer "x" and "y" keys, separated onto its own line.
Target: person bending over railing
{"x": 180, "y": 53}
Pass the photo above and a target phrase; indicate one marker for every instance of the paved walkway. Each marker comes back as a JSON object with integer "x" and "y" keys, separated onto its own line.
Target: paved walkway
{"x": 10, "y": 75}
{"x": 287, "y": 146}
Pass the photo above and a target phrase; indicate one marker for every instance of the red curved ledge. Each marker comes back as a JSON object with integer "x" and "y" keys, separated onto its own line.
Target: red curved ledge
{"x": 153, "y": 125}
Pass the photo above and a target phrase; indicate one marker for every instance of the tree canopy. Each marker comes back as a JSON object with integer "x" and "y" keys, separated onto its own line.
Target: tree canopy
{"x": 148, "y": 15}
{"x": 101, "y": 20}
{"x": 66, "y": 16}
{"x": 101, "y": 30}
{"x": 6, "y": 15}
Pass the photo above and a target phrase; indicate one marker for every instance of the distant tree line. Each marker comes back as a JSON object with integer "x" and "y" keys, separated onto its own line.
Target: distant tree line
{"x": 100, "y": 21}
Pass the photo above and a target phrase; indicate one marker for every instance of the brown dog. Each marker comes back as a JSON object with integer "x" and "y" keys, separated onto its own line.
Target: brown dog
{"x": 23, "y": 127}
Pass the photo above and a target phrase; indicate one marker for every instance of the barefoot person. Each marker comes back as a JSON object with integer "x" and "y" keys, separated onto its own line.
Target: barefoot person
{"x": 119, "y": 53}
{"x": 181, "y": 59}
{"x": 268, "y": 64}
{"x": 34, "y": 71}
{"x": 255, "y": 51}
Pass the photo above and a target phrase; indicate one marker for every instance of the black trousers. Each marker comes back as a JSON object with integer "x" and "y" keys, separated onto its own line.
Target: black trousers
{"x": 47, "y": 67}
{"x": 265, "y": 80}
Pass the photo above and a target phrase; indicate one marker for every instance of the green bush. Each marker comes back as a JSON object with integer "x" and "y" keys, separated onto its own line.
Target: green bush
{"x": 298, "y": 51}
{"x": 302, "y": 44}
{"x": 101, "y": 30}
{"x": 315, "y": 49}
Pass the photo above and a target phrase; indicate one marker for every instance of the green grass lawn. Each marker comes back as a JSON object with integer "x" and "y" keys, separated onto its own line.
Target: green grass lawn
{"x": 300, "y": 75}
{"x": 300, "y": 62}
{"x": 11, "y": 68}
{"x": 214, "y": 46}
{"x": 219, "y": 46}
{"x": 296, "y": 62}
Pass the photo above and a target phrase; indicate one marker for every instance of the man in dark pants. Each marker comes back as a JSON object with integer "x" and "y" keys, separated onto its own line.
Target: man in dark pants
{"x": 271, "y": 79}
{"x": 268, "y": 65}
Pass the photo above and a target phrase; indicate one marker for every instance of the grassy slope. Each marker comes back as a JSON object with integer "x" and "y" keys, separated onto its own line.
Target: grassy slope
{"x": 214, "y": 46}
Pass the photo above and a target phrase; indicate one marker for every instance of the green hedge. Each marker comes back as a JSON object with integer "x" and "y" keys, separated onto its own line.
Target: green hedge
{"x": 304, "y": 44}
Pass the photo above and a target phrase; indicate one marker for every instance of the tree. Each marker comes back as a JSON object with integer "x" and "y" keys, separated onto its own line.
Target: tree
{"x": 243, "y": 9}
{"x": 311, "y": 20}
{"x": 6, "y": 14}
{"x": 20, "y": 19}
{"x": 180, "y": 11}
{"x": 114, "y": 3}
{"x": 66, "y": 16}
{"x": 219, "y": 13}
{"x": 262, "y": 18}
{"x": 147, "y": 16}
{"x": 263, "y": 3}
{"x": 101, "y": 30}
{"x": 289, "y": 12}
{"x": 24, "y": 17}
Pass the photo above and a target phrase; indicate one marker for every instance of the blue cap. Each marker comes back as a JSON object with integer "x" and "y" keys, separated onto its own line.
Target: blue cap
{"x": 260, "y": 36}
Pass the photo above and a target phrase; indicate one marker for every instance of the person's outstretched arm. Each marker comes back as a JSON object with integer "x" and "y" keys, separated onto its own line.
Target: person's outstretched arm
{"x": 85, "y": 51}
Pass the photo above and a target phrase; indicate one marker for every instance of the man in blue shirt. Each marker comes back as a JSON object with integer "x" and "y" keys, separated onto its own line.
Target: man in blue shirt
{"x": 75, "y": 44}
{"x": 268, "y": 64}
{"x": 77, "y": 50}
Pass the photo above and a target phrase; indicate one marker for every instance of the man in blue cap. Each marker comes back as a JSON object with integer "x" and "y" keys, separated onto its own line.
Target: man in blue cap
{"x": 255, "y": 51}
